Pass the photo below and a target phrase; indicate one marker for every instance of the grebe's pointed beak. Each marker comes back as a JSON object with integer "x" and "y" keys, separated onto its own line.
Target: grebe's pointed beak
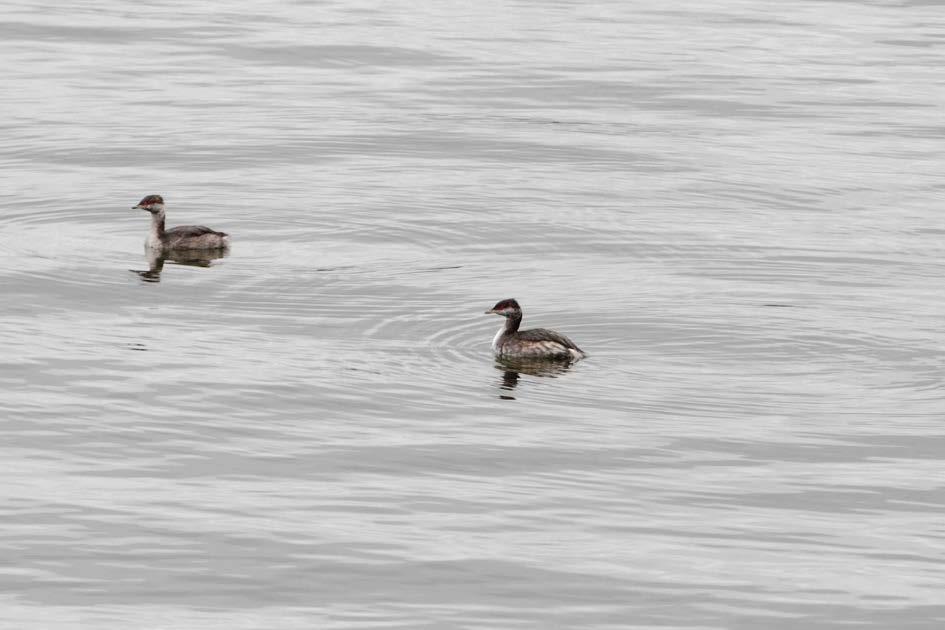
{"x": 490, "y": 311}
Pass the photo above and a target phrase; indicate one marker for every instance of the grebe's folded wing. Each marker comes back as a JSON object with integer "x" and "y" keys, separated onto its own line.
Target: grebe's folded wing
{"x": 543, "y": 334}
{"x": 192, "y": 230}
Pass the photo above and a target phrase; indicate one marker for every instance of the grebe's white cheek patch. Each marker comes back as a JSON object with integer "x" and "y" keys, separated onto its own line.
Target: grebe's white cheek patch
{"x": 495, "y": 340}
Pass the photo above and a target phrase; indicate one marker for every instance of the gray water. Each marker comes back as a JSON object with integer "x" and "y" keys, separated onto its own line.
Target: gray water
{"x": 735, "y": 207}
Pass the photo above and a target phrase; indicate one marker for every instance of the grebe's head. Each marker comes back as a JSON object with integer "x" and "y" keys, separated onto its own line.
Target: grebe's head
{"x": 152, "y": 203}
{"x": 506, "y": 308}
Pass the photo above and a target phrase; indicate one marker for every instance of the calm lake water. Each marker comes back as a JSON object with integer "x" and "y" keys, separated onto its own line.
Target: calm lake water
{"x": 735, "y": 207}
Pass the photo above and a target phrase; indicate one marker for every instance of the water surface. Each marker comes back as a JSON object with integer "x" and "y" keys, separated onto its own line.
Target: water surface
{"x": 734, "y": 207}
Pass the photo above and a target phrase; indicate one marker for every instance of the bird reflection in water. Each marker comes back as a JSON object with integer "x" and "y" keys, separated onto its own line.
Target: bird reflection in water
{"x": 512, "y": 369}
{"x": 191, "y": 258}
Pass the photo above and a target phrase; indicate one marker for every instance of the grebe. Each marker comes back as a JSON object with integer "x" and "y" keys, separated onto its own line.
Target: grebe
{"x": 183, "y": 237}
{"x": 537, "y": 343}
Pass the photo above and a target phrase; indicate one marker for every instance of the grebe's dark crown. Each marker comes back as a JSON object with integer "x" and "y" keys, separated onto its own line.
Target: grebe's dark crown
{"x": 505, "y": 305}
{"x": 151, "y": 199}
{"x": 152, "y": 203}
{"x": 506, "y": 308}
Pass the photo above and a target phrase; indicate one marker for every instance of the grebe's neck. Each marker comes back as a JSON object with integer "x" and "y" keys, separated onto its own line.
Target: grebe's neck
{"x": 157, "y": 225}
{"x": 512, "y": 322}
{"x": 156, "y": 235}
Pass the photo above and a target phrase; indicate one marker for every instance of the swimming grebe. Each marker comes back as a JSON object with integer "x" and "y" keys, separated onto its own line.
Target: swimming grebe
{"x": 537, "y": 343}
{"x": 183, "y": 237}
